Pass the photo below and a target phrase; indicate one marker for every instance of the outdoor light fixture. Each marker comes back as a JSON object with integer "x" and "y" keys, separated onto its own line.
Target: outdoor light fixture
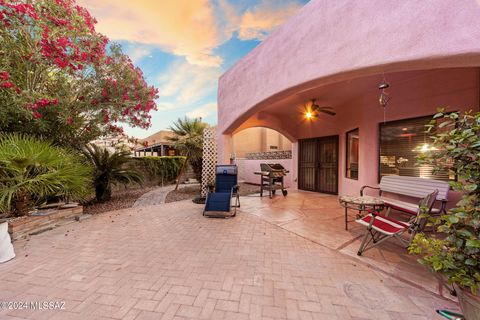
{"x": 384, "y": 97}
{"x": 312, "y": 110}
{"x": 425, "y": 148}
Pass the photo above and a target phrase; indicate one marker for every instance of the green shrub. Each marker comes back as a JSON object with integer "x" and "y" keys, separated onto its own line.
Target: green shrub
{"x": 110, "y": 168}
{"x": 165, "y": 169}
{"x": 457, "y": 253}
{"x": 32, "y": 170}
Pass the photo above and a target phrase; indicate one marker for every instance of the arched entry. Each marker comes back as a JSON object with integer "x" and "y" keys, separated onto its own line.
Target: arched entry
{"x": 259, "y": 140}
{"x": 256, "y": 145}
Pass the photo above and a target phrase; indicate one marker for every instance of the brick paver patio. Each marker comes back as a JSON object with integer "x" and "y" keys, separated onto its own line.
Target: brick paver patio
{"x": 169, "y": 262}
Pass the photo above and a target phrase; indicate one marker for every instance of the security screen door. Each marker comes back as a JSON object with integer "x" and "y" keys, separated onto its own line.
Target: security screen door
{"x": 318, "y": 164}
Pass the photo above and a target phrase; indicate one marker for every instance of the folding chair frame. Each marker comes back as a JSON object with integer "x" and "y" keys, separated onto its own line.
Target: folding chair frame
{"x": 373, "y": 237}
{"x": 377, "y": 237}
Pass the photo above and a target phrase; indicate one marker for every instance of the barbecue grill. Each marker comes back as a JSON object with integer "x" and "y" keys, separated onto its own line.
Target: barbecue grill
{"x": 271, "y": 178}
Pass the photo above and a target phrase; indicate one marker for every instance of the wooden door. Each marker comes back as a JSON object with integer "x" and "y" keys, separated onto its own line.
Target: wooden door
{"x": 318, "y": 164}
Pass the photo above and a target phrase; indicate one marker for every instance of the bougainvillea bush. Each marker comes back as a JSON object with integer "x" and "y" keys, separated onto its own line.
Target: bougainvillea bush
{"x": 62, "y": 80}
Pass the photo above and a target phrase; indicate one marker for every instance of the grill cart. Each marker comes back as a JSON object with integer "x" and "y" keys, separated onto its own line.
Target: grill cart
{"x": 271, "y": 178}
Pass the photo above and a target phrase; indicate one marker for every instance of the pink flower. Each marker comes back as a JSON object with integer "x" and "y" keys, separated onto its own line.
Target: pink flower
{"x": 37, "y": 115}
{"x": 7, "y": 85}
{"x": 69, "y": 120}
{"x": 63, "y": 42}
{"x": 61, "y": 63}
{"x": 4, "y": 75}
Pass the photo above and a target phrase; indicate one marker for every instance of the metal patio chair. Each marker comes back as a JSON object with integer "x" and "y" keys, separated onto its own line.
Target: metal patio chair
{"x": 381, "y": 227}
{"x": 219, "y": 202}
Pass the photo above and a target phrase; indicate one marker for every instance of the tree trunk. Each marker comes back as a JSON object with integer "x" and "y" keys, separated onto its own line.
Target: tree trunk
{"x": 181, "y": 172}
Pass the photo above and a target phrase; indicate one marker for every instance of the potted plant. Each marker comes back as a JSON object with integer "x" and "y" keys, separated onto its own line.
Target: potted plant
{"x": 454, "y": 252}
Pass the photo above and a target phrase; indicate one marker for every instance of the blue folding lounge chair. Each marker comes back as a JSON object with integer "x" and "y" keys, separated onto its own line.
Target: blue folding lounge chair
{"x": 219, "y": 203}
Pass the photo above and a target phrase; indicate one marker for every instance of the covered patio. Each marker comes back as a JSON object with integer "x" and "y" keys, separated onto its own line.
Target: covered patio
{"x": 320, "y": 219}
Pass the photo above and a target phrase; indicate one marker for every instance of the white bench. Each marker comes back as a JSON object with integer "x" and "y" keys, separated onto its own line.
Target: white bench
{"x": 412, "y": 187}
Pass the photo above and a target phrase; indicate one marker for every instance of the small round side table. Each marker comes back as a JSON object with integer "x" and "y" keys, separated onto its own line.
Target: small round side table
{"x": 360, "y": 204}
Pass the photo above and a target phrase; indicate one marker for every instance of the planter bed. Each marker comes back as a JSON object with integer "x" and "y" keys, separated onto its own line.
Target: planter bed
{"x": 24, "y": 226}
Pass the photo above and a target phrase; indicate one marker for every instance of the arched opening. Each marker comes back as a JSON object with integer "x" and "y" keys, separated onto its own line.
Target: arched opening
{"x": 259, "y": 140}
{"x": 256, "y": 145}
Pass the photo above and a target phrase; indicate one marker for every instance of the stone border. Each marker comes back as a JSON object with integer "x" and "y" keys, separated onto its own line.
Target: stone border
{"x": 24, "y": 226}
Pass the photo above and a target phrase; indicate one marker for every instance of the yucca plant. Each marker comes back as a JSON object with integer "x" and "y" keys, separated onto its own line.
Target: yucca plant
{"x": 32, "y": 170}
{"x": 110, "y": 168}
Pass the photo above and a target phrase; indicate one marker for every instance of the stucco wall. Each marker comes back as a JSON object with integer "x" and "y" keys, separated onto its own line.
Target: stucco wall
{"x": 331, "y": 41}
{"x": 246, "y": 169}
{"x": 259, "y": 140}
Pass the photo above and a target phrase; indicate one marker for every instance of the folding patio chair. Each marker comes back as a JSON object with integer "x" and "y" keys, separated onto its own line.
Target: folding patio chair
{"x": 219, "y": 202}
{"x": 381, "y": 227}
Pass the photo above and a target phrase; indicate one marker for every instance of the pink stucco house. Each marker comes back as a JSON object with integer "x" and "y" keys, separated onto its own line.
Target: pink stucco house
{"x": 338, "y": 52}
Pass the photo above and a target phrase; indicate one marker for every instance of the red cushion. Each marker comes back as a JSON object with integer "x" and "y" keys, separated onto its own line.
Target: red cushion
{"x": 386, "y": 224}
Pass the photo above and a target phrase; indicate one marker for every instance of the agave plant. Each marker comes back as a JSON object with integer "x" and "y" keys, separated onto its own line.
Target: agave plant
{"x": 110, "y": 168}
{"x": 32, "y": 170}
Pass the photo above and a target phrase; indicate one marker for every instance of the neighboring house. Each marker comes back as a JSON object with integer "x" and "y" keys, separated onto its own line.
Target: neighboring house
{"x": 339, "y": 52}
{"x": 256, "y": 140}
{"x": 114, "y": 142}
{"x": 156, "y": 145}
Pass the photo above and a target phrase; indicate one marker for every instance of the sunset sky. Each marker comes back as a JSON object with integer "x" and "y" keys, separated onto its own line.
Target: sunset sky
{"x": 183, "y": 46}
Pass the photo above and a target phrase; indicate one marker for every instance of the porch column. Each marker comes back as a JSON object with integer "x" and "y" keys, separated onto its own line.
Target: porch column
{"x": 224, "y": 148}
{"x": 162, "y": 150}
{"x": 151, "y": 151}
{"x": 294, "y": 170}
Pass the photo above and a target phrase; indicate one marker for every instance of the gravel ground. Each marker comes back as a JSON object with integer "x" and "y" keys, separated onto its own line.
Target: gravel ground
{"x": 190, "y": 192}
{"x": 121, "y": 199}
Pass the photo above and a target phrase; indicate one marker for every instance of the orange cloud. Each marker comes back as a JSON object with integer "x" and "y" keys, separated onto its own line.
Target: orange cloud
{"x": 182, "y": 27}
{"x": 188, "y": 28}
{"x": 262, "y": 19}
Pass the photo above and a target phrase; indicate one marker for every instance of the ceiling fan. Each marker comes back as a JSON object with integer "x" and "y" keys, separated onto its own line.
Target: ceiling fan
{"x": 313, "y": 109}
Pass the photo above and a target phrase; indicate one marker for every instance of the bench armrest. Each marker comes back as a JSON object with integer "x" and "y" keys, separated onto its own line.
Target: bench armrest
{"x": 369, "y": 187}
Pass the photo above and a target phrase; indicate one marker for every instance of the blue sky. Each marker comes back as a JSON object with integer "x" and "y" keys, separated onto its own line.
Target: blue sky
{"x": 183, "y": 46}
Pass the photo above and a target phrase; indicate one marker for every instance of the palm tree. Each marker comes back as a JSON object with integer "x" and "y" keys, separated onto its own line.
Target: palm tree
{"x": 110, "y": 169}
{"x": 188, "y": 139}
{"x": 32, "y": 170}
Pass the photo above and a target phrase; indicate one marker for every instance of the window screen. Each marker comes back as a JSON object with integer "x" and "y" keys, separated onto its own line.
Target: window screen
{"x": 400, "y": 144}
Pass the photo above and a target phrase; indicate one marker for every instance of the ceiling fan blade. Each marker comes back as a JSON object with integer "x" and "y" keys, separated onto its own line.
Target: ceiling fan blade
{"x": 327, "y": 111}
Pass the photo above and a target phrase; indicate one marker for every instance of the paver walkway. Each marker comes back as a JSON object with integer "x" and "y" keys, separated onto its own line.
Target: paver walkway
{"x": 158, "y": 195}
{"x": 319, "y": 217}
{"x": 169, "y": 262}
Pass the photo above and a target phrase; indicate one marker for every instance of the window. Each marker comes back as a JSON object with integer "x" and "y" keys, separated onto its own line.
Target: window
{"x": 400, "y": 144}
{"x": 352, "y": 154}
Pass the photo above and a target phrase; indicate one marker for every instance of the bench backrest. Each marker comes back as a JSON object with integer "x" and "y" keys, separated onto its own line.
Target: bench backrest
{"x": 414, "y": 187}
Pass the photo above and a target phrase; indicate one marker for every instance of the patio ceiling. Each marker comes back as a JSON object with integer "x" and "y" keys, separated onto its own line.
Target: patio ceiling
{"x": 338, "y": 95}
{"x": 358, "y": 98}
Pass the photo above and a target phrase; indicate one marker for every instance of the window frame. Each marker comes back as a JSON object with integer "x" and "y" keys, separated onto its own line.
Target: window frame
{"x": 379, "y": 127}
{"x": 347, "y": 153}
